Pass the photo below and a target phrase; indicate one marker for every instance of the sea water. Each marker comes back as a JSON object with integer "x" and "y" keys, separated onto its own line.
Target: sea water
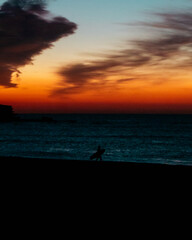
{"x": 163, "y": 139}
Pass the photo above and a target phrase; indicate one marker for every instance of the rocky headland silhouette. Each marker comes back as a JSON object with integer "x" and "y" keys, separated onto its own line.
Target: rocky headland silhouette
{"x": 6, "y": 113}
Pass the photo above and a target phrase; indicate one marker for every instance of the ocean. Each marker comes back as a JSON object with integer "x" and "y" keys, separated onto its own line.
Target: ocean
{"x": 165, "y": 139}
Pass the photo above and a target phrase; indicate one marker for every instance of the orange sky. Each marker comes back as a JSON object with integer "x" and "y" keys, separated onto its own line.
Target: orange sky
{"x": 142, "y": 96}
{"x": 99, "y": 70}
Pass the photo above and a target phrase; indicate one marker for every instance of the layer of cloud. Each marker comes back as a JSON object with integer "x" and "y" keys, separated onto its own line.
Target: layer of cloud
{"x": 170, "y": 46}
{"x": 25, "y": 31}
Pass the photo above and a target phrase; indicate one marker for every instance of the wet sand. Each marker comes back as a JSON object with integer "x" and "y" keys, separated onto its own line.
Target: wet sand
{"x": 36, "y": 164}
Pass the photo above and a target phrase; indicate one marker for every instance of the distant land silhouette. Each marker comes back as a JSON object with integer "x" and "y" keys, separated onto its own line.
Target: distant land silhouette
{"x": 6, "y": 113}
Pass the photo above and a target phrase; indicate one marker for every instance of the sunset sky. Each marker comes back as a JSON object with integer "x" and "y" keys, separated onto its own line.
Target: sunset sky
{"x": 96, "y": 56}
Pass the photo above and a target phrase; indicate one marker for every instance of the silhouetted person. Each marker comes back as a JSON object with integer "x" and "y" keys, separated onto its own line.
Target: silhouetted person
{"x": 98, "y": 154}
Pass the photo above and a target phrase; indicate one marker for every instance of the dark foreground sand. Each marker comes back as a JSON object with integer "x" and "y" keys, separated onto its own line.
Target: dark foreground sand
{"x": 65, "y": 177}
{"x": 84, "y": 163}
{"x": 35, "y": 164}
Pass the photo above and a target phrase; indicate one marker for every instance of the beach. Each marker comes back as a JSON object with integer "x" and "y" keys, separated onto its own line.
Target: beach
{"x": 88, "y": 180}
{"x": 67, "y": 166}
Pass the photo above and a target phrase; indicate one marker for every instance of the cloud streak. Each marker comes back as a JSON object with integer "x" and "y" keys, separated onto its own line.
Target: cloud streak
{"x": 169, "y": 47}
{"x": 25, "y": 31}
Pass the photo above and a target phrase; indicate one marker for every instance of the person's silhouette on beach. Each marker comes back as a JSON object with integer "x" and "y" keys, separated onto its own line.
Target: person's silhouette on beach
{"x": 98, "y": 154}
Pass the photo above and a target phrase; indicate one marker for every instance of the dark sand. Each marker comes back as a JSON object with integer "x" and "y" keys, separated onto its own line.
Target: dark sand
{"x": 61, "y": 178}
{"x": 32, "y": 162}
{"x": 62, "y": 167}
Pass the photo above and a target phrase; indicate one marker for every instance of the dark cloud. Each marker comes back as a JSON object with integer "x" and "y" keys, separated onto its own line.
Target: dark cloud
{"x": 93, "y": 75}
{"x": 25, "y": 31}
{"x": 179, "y": 21}
{"x": 77, "y": 76}
{"x": 126, "y": 80}
{"x": 170, "y": 46}
{"x": 175, "y": 35}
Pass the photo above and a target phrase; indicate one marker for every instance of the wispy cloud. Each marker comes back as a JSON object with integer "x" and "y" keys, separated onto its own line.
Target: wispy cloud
{"x": 25, "y": 31}
{"x": 169, "y": 47}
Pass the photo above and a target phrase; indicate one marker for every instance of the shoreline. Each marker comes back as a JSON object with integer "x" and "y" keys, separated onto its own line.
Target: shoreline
{"x": 88, "y": 163}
